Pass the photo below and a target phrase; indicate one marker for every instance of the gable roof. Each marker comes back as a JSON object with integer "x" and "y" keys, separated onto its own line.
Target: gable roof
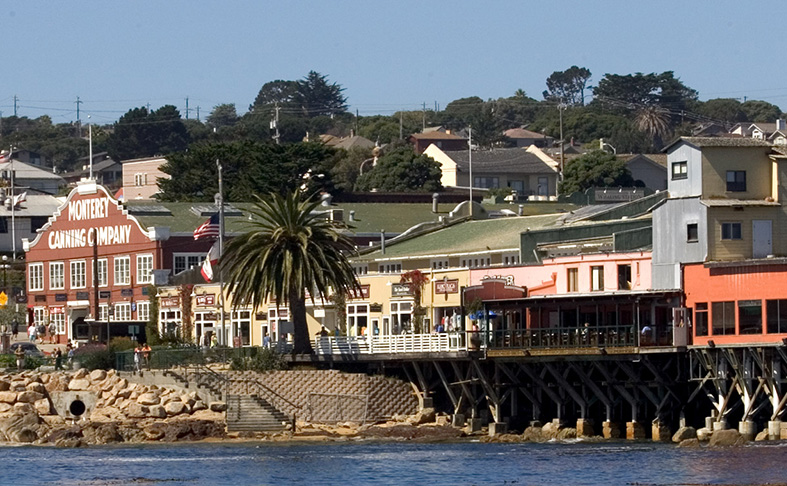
{"x": 522, "y": 133}
{"x": 658, "y": 159}
{"x": 355, "y": 141}
{"x": 500, "y": 160}
{"x": 436, "y": 136}
{"x": 718, "y": 142}
{"x": 24, "y": 170}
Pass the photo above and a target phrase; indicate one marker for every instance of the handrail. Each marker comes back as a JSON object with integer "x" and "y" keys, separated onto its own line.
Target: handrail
{"x": 268, "y": 392}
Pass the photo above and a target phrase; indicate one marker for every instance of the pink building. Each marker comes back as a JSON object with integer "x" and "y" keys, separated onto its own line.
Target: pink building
{"x": 140, "y": 177}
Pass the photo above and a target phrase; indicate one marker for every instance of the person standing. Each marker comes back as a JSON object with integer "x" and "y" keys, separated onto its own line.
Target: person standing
{"x": 58, "y": 359}
{"x": 146, "y": 355}
{"x": 137, "y": 359}
{"x": 20, "y": 358}
{"x": 15, "y": 329}
{"x": 52, "y": 332}
{"x": 31, "y": 332}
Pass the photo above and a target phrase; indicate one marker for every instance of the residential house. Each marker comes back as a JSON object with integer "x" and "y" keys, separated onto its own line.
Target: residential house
{"x": 106, "y": 172}
{"x": 530, "y": 173}
{"x": 31, "y": 178}
{"x": 442, "y": 140}
{"x": 648, "y": 169}
{"x": 525, "y": 138}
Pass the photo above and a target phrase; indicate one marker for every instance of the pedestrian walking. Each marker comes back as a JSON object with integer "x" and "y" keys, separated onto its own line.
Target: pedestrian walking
{"x": 58, "y": 359}
{"x": 15, "y": 329}
{"x": 31, "y": 333}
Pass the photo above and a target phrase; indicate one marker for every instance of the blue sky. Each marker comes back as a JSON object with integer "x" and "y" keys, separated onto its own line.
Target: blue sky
{"x": 388, "y": 55}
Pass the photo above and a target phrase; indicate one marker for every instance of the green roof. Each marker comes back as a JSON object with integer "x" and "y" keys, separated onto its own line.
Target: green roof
{"x": 465, "y": 237}
{"x": 394, "y": 218}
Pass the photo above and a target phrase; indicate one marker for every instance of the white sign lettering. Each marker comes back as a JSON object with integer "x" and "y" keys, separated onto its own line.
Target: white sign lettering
{"x": 83, "y": 209}
{"x": 79, "y": 238}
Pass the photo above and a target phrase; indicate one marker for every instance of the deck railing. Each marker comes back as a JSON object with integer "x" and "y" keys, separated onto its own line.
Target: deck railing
{"x": 391, "y": 344}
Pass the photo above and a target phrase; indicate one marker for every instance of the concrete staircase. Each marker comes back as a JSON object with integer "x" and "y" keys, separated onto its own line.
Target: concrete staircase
{"x": 253, "y": 413}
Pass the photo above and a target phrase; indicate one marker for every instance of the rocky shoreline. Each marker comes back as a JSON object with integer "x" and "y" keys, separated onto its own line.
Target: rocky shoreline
{"x": 34, "y": 409}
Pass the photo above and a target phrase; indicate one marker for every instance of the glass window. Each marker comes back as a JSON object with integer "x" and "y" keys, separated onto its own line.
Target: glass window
{"x": 486, "y": 182}
{"x": 144, "y": 269}
{"x": 701, "y": 319}
{"x": 680, "y": 170}
{"x": 103, "y": 273}
{"x": 361, "y": 269}
{"x": 122, "y": 312}
{"x": 573, "y": 279}
{"x": 750, "y": 316}
{"x": 597, "y": 278}
{"x": 736, "y": 180}
{"x": 36, "y": 276}
{"x": 122, "y": 270}
{"x": 723, "y": 316}
{"x": 57, "y": 277}
{"x": 776, "y": 311}
{"x": 58, "y": 318}
{"x": 439, "y": 264}
{"x": 624, "y": 277}
{"x": 692, "y": 232}
{"x": 186, "y": 261}
{"x": 241, "y": 325}
{"x": 390, "y": 268}
{"x": 78, "y": 274}
{"x": 143, "y": 311}
{"x": 357, "y": 319}
{"x": 731, "y": 231}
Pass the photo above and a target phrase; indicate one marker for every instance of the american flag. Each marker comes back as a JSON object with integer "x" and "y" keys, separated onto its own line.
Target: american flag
{"x": 209, "y": 228}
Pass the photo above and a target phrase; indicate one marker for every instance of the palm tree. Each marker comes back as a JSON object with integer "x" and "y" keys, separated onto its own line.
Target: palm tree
{"x": 289, "y": 249}
{"x": 655, "y": 121}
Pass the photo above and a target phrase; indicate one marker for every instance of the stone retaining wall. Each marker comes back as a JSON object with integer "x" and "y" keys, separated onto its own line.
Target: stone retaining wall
{"x": 332, "y": 396}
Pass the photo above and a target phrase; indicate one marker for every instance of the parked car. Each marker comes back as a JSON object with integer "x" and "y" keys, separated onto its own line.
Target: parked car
{"x": 30, "y": 349}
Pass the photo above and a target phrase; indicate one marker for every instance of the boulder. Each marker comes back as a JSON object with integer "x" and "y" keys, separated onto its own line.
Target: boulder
{"x": 18, "y": 386}
{"x": 155, "y": 431}
{"x": 7, "y": 397}
{"x": 98, "y": 433}
{"x": 4, "y": 385}
{"x": 188, "y": 401}
{"x": 135, "y": 410}
{"x": 29, "y": 397}
{"x": 218, "y": 406}
{"x": 684, "y": 433}
{"x": 175, "y": 408}
{"x": 43, "y": 407}
{"x": 97, "y": 375}
{"x": 20, "y": 427}
{"x": 157, "y": 411}
{"x": 763, "y": 435}
{"x": 80, "y": 373}
{"x": 693, "y": 443}
{"x": 22, "y": 407}
{"x": 199, "y": 405}
{"x": 567, "y": 433}
{"x": 5, "y": 407}
{"x": 424, "y": 416}
{"x": 148, "y": 399}
{"x": 726, "y": 438}
{"x": 79, "y": 384}
{"x": 703, "y": 434}
{"x": 37, "y": 387}
{"x": 533, "y": 434}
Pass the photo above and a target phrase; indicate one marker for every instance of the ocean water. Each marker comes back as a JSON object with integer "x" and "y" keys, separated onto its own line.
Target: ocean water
{"x": 370, "y": 463}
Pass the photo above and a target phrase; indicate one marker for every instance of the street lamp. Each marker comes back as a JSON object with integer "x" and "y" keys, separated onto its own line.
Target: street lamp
{"x": 5, "y": 268}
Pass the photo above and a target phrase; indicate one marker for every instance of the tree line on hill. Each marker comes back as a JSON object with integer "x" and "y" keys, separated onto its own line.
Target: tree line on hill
{"x": 636, "y": 113}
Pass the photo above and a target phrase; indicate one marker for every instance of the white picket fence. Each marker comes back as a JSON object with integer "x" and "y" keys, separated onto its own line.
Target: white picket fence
{"x": 391, "y": 344}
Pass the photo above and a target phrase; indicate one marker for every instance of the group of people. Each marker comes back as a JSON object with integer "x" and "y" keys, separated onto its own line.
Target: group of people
{"x": 37, "y": 333}
{"x": 142, "y": 357}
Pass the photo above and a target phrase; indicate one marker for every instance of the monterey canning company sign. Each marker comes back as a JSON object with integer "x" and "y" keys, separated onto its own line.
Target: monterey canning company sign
{"x": 89, "y": 218}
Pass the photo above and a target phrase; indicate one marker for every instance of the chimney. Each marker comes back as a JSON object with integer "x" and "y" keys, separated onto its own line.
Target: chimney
{"x": 382, "y": 241}
{"x": 781, "y": 124}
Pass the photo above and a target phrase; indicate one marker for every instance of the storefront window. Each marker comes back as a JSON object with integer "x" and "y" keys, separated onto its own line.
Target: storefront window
{"x": 750, "y": 316}
{"x": 701, "y": 319}
{"x": 777, "y": 316}
{"x": 723, "y": 316}
{"x": 241, "y": 327}
{"x": 401, "y": 317}
{"x": 357, "y": 319}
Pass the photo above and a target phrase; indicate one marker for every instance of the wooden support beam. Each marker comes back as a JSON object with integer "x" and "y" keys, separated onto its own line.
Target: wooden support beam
{"x": 530, "y": 396}
{"x": 447, "y": 386}
{"x": 561, "y": 380}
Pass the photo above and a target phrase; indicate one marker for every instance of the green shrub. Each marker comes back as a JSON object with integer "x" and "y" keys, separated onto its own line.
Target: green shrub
{"x": 264, "y": 359}
{"x": 94, "y": 357}
{"x": 9, "y": 361}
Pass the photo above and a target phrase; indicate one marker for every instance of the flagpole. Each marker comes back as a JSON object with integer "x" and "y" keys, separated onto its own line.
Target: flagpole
{"x": 13, "y": 207}
{"x": 221, "y": 247}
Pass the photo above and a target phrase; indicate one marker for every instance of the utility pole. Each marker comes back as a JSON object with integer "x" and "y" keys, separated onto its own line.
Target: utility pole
{"x": 187, "y": 107}
{"x": 198, "y": 112}
{"x": 470, "y": 163}
{"x": 424, "y": 118}
{"x": 356, "y": 121}
{"x": 561, "y": 107}
{"x": 275, "y": 122}
{"x": 147, "y": 107}
{"x": 78, "y": 102}
{"x": 221, "y": 249}
{"x": 15, "y": 100}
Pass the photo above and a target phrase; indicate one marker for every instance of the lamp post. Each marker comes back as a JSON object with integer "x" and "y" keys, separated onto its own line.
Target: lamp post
{"x": 5, "y": 275}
